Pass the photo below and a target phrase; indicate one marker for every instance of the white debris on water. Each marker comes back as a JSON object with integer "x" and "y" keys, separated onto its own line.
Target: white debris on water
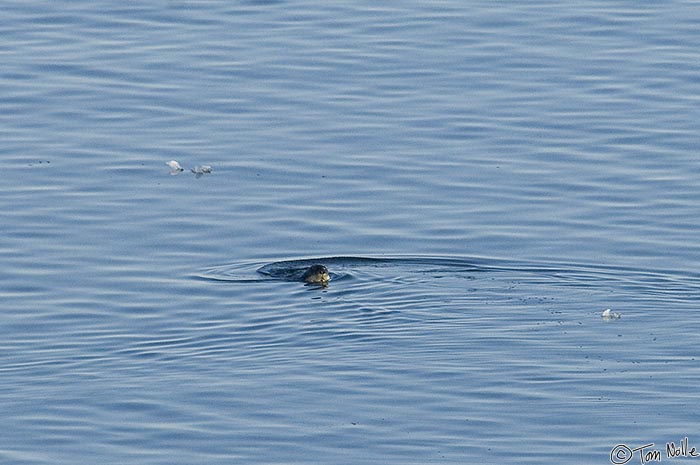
{"x": 199, "y": 171}
{"x": 175, "y": 167}
{"x": 610, "y": 315}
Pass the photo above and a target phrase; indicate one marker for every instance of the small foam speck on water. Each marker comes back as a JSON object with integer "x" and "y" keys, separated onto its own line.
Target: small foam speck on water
{"x": 200, "y": 171}
{"x": 175, "y": 167}
{"x": 608, "y": 314}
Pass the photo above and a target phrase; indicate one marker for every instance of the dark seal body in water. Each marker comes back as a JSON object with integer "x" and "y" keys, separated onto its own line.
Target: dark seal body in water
{"x": 316, "y": 274}
{"x": 307, "y": 271}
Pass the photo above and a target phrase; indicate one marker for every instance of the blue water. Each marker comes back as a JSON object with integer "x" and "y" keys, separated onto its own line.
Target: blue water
{"x": 482, "y": 179}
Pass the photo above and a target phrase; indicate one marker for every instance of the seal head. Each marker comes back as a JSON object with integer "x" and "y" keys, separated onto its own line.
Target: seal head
{"x": 316, "y": 274}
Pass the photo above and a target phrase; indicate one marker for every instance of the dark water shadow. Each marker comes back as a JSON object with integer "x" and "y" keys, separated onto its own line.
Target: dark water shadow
{"x": 341, "y": 268}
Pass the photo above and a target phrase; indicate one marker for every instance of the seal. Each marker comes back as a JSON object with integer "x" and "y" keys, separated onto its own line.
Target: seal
{"x": 316, "y": 274}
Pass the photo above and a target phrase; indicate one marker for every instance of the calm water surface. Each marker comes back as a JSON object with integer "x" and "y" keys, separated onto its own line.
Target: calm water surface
{"x": 482, "y": 179}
